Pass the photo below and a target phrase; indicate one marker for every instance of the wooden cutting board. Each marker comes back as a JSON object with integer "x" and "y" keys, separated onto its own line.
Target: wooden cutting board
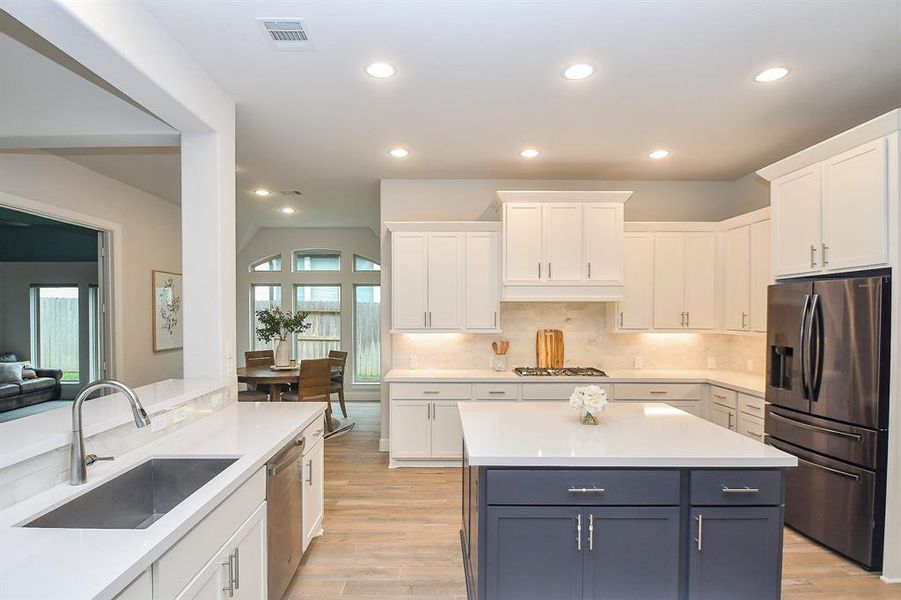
{"x": 549, "y": 349}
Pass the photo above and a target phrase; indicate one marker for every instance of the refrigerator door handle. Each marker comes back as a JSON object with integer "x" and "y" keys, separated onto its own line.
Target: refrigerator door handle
{"x": 801, "y": 353}
{"x": 816, "y": 342}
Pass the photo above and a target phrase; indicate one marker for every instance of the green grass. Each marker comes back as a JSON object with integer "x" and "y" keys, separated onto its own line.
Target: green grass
{"x": 70, "y": 376}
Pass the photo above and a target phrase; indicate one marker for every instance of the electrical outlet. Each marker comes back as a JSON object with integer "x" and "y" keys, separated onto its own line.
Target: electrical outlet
{"x": 216, "y": 400}
{"x": 178, "y": 415}
{"x": 639, "y": 362}
{"x": 749, "y": 364}
{"x": 414, "y": 361}
{"x": 159, "y": 422}
{"x": 711, "y": 362}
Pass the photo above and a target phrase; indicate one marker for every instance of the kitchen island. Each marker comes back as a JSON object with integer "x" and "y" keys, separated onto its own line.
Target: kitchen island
{"x": 651, "y": 503}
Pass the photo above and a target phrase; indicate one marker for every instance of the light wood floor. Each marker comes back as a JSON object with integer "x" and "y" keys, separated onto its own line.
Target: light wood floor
{"x": 394, "y": 534}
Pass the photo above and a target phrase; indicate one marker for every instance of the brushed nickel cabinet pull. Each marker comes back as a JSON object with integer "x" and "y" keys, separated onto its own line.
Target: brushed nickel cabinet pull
{"x": 585, "y": 490}
{"x": 549, "y": 276}
{"x": 589, "y": 270}
{"x": 700, "y": 538}
{"x": 825, "y": 247}
{"x": 813, "y": 250}
{"x": 741, "y": 490}
{"x": 658, "y": 391}
{"x": 539, "y": 270}
{"x": 687, "y": 318}
{"x": 579, "y": 532}
{"x": 590, "y": 532}
{"x": 620, "y": 318}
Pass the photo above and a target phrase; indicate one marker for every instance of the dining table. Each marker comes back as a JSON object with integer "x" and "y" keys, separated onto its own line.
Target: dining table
{"x": 276, "y": 379}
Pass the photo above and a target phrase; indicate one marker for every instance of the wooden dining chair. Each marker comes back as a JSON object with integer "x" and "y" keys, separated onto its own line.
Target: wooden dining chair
{"x": 257, "y": 359}
{"x": 314, "y": 385}
{"x": 337, "y": 380}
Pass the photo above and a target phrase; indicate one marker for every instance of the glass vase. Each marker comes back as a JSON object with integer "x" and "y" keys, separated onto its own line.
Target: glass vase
{"x": 587, "y": 418}
{"x": 499, "y": 362}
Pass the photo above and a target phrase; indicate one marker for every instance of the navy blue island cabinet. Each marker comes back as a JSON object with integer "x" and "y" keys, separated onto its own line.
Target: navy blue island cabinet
{"x": 572, "y": 533}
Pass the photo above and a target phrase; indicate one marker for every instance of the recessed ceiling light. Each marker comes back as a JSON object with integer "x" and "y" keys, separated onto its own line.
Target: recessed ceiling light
{"x": 288, "y": 210}
{"x": 769, "y": 75}
{"x": 262, "y": 192}
{"x": 399, "y": 152}
{"x": 380, "y": 70}
{"x": 658, "y": 154}
{"x": 578, "y": 71}
{"x": 529, "y": 153}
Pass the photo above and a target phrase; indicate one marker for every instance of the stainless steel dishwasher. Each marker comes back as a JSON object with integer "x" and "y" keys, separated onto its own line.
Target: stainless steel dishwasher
{"x": 284, "y": 510}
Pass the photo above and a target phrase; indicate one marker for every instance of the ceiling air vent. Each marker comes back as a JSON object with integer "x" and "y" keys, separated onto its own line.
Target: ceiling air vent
{"x": 285, "y": 33}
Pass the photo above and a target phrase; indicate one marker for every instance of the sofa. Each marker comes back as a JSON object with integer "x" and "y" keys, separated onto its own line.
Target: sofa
{"x": 46, "y": 386}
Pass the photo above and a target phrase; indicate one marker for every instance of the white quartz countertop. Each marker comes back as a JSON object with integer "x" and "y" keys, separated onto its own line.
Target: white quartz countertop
{"x": 548, "y": 434}
{"x": 747, "y": 383}
{"x": 54, "y": 564}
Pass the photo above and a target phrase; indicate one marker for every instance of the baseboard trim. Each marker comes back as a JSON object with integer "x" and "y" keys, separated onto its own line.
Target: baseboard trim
{"x": 384, "y": 445}
{"x": 893, "y": 580}
{"x": 429, "y": 462}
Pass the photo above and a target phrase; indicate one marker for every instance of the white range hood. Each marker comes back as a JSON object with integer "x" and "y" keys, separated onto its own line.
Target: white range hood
{"x": 562, "y": 246}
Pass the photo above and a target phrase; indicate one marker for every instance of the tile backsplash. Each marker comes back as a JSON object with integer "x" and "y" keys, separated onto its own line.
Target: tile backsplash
{"x": 587, "y": 340}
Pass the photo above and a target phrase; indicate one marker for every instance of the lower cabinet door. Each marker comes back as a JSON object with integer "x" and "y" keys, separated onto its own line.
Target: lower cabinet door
{"x": 447, "y": 430}
{"x": 411, "y": 429}
{"x": 533, "y": 553}
{"x": 251, "y": 560}
{"x": 723, "y": 416}
{"x": 313, "y": 492}
{"x": 631, "y": 552}
{"x": 735, "y": 553}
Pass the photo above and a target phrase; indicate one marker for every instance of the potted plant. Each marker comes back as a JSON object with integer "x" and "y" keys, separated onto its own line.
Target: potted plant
{"x": 274, "y": 324}
{"x": 591, "y": 400}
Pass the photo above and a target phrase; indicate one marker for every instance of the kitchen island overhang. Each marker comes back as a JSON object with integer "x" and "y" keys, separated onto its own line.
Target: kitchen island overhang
{"x": 650, "y": 503}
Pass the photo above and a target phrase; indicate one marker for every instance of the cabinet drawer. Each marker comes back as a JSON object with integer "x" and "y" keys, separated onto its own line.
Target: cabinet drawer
{"x": 657, "y": 391}
{"x": 496, "y": 391}
{"x": 530, "y": 486}
{"x": 723, "y": 397}
{"x": 313, "y": 433}
{"x": 736, "y": 486}
{"x": 751, "y": 405}
{"x": 558, "y": 391}
{"x": 750, "y": 426}
{"x": 186, "y": 558}
{"x": 431, "y": 391}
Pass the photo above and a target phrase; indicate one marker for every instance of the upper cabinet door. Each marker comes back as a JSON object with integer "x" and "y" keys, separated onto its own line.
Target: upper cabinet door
{"x": 737, "y": 279}
{"x": 855, "y": 208}
{"x": 445, "y": 275}
{"x": 797, "y": 223}
{"x": 562, "y": 228}
{"x": 761, "y": 273}
{"x": 481, "y": 281}
{"x": 603, "y": 237}
{"x": 669, "y": 280}
{"x": 409, "y": 280}
{"x": 635, "y": 309}
{"x": 522, "y": 243}
{"x": 700, "y": 280}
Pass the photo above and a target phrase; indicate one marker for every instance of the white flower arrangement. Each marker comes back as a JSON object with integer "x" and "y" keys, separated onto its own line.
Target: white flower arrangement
{"x": 591, "y": 398}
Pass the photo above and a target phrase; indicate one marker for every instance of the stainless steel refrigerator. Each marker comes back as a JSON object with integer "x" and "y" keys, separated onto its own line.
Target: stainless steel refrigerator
{"x": 827, "y": 389}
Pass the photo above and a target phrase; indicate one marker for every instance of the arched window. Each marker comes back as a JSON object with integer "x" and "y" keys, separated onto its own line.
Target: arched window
{"x": 317, "y": 260}
{"x": 361, "y": 263}
{"x": 267, "y": 265}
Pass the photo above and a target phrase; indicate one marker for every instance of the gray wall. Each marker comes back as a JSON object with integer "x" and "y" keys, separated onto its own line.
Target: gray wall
{"x": 268, "y": 242}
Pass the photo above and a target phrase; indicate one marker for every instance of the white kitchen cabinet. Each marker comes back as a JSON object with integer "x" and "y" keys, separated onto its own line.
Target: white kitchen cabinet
{"x": 833, "y": 215}
{"x": 604, "y": 242}
{"x": 635, "y": 310}
{"x": 445, "y": 280}
{"x": 313, "y": 491}
{"x": 522, "y": 242}
{"x": 562, "y": 226}
{"x": 411, "y": 429}
{"x": 669, "y": 280}
{"x": 481, "y": 285}
{"x": 761, "y": 273}
{"x": 426, "y": 429}
{"x": 238, "y": 569}
{"x": 409, "y": 280}
{"x": 447, "y": 430}
{"x": 797, "y": 225}
{"x": 723, "y": 415}
{"x": 737, "y": 279}
{"x": 750, "y": 426}
{"x": 139, "y": 589}
{"x": 855, "y": 208}
{"x": 564, "y": 246}
{"x": 684, "y": 280}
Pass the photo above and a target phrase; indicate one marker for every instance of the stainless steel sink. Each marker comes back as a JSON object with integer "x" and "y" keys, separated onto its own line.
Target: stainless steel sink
{"x": 137, "y": 498}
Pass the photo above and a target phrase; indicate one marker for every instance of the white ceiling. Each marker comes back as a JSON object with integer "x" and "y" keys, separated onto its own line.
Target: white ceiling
{"x": 477, "y": 81}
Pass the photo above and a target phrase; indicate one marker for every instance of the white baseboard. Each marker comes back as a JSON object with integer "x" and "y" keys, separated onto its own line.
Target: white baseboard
{"x": 384, "y": 445}
{"x": 394, "y": 464}
{"x": 890, "y": 579}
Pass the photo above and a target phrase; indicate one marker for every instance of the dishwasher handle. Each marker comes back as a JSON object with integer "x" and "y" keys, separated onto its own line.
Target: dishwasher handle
{"x": 287, "y": 456}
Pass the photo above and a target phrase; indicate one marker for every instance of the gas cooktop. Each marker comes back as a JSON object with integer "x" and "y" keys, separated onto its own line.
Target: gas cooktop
{"x": 564, "y": 372}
